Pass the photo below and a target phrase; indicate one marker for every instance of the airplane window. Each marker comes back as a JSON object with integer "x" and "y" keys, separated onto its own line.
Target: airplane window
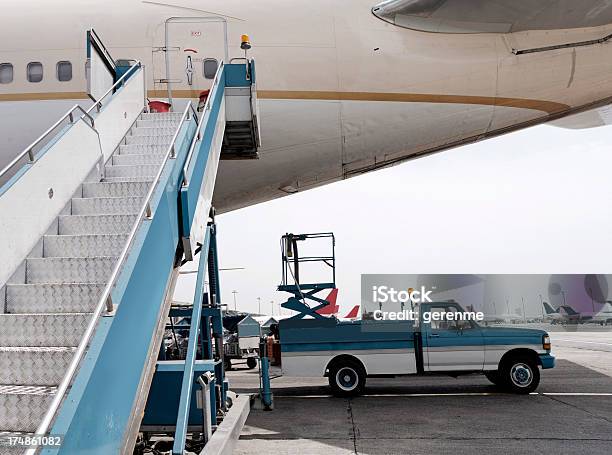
{"x": 64, "y": 71}
{"x": 35, "y": 72}
{"x": 6, "y": 73}
{"x": 210, "y": 67}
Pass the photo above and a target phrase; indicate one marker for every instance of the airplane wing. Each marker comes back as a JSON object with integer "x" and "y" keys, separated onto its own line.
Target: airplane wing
{"x": 494, "y": 16}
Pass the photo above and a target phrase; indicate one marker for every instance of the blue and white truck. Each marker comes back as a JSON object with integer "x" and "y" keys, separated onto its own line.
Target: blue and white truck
{"x": 348, "y": 352}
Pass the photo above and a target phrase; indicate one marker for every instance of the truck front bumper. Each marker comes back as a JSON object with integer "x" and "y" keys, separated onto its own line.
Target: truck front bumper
{"x": 547, "y": 361}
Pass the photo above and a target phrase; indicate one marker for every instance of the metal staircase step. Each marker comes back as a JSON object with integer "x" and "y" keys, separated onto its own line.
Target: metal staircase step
{"x": 163, "y": 122}
{"x": 116, "y": 189}
{"x": 83, "y": 245}
{"x": 132, "y": 159}
{"x": 96, "y": 224}
{"x": 69, "y": 270}
{"x": 21, "y": 408}
{"x": 52, "y": 298}
{"x": 106, "y": 205}
{"x": 161, "y": 115}
{"x": 154, "y": 131}
{"x": 151, "y": 140}
{"x": 144, "y": 171}
{"x": 34, "y": 365}
{"x": 42, "y": 329}
{"x": 143, "y": 149}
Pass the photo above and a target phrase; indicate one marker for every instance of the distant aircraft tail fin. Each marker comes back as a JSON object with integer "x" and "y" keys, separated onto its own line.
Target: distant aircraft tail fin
{"x": 353, "y": 314}
{"x": 331, "y": 309}
{"x": 569, "y": 310}
{"x": 549, "y": 309}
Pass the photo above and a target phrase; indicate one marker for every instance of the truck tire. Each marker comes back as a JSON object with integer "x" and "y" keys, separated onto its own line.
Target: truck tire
{"x": 251, "y": 362}
{"x": 520, "y": 375}
{"x": 347, "y": 378}
{"x": 494, "y": 377}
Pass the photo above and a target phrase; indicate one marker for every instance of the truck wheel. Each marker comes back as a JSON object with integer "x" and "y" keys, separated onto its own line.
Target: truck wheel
{"x": 494, "y": 377}
{"x": 227, "y": 364}
{"x": 251, "y": 362}
{"x": 520, "y": 375}
{"x": 347, "y": 378}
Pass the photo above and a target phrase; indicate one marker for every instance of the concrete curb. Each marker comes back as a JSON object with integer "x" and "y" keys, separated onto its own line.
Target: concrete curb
{"x": 224, "y": 439}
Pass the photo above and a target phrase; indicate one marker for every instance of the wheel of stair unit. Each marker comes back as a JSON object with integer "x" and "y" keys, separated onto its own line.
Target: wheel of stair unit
{"x": 227, "y": 364}
{"x": 520, "y": 375}
{"x": 347, "y": 378}
{"x": 251, "y": 362}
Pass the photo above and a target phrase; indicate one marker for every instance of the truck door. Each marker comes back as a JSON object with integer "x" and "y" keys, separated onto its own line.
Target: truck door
{"x": 451, "y": 345}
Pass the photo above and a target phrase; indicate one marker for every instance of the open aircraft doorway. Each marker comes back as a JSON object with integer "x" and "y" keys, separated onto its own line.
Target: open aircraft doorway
{"x": 185, "y": 64}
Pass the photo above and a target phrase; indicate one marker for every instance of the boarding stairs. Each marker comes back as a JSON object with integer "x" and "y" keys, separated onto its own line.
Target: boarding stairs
{"x": 101, "y": 212}
{"x": 50, "y": 303}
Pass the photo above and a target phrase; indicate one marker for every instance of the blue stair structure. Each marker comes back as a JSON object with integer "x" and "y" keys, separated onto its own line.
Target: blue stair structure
{"x": 117, "y": 199}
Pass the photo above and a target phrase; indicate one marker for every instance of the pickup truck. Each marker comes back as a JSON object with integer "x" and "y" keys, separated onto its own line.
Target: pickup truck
{"x": 348, "y": 352}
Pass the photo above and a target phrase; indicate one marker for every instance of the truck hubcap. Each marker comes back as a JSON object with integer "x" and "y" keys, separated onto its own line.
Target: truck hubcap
{"x": 521, "y": 375}
{"x": 347, "y": 378}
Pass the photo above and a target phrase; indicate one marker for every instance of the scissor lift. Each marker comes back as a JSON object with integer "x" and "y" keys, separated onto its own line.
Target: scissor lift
{"x": 291, "y": 277}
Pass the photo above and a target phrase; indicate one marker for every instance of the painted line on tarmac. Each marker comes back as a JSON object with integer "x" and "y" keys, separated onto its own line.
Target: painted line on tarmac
{"x": 588, "y": 342}
{"x": 577, "y": 394}
{"x": 461, "y": 394}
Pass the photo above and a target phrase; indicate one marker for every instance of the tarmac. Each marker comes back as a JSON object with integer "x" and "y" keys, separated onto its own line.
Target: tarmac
{"x": 570, "y": 413}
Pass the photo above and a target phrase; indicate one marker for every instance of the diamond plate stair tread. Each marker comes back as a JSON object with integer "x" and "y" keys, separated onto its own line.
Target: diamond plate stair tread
{"x": 140, "y": 149}
{"x": 34, "y": 365}
{"x": 38, "y": 330}
{"x": 158, "y": 130}
{"x": 127, "y": 170}
{"x": 69, "y": 270}
{"x": 106, "y": 205}
{"x": 160, "y": 115}
{"x": 137, "y": 159}
{"x": 83, "y": 245}
{"x": 52, "y": 298}
{"x": 21, "y": 412}
{"x": 116, "y": 189}
{"x": 158, "y": 123}
{"x": 96, "y": 224}
{"x": 152, "y": 140}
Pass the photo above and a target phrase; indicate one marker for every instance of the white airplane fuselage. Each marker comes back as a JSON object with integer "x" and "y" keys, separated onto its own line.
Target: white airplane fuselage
{"x": 341, "y": 92}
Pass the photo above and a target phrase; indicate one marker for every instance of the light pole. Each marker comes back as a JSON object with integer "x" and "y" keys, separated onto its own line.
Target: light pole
{"x": 272, "y": 306}
{"x": 524, "y": 314}
{"x": 542, "y": 307}
{"x": 563, "y": 294}
{"x": 235, "y": 305}
{"x": 259, "y": 305}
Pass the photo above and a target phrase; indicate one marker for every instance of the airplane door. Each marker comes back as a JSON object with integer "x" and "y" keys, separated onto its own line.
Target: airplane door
{"x": 189, "y": 52}
{"x": 452, "y": 345}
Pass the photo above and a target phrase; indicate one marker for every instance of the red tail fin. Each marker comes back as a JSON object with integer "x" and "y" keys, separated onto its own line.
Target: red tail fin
{"x": 332, "y": 308}
{"x": 353, "y": 313}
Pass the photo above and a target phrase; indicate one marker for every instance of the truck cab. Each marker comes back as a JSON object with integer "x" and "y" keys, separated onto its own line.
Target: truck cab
{"x": 508, "y": 356}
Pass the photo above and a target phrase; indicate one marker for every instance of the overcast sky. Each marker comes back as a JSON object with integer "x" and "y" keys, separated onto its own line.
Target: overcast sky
{"x": 536, "y": 201}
